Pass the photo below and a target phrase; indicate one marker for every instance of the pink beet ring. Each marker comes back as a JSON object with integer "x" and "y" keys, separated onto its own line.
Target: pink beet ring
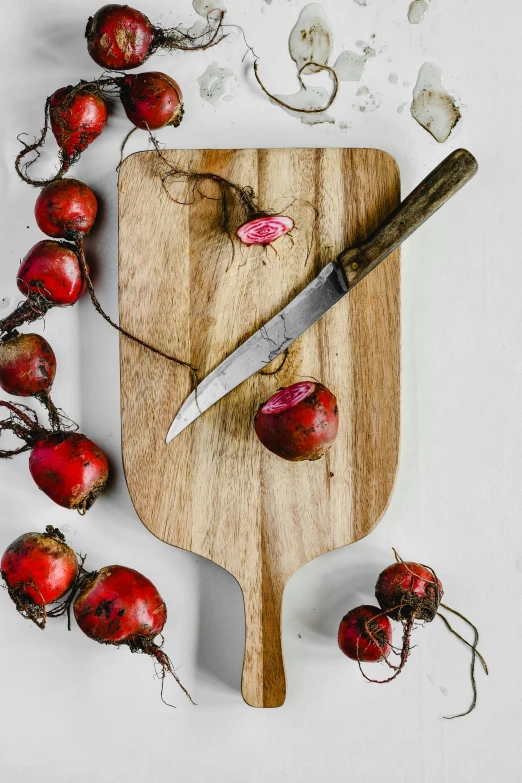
{"x": 264, "y": 230}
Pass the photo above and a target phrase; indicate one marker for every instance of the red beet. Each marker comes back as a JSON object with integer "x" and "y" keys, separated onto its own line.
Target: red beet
{"x": 365, "y": 634}
{"x": 409, "y": 591}
{"x": 299, "y": 422}
{"x": 27, "y": 365}
{"x": 264, "y": 230}
{"x": 118, "y": 605}
{"x": 66, "y": 208}
{"x": 119, "y": 37}
{"x": 152, "y": 100}
{"x": 38, "y": 569}
{"x": 52, "y": 270}
{"x": 78, "y": 116}
{"x": 69, "y": 468}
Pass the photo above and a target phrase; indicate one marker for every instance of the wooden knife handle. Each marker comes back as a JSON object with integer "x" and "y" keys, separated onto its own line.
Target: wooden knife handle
{"x": 439, "y": 186}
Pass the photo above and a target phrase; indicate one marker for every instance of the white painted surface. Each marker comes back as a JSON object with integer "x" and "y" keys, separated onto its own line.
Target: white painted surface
{"x": 74, "y": 710}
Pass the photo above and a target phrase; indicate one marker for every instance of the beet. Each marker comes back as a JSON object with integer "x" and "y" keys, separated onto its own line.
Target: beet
{"x": 78, "y": 116}
{"x": 66, "y": 208}
{"x": 69, "y": 468}
{"x": 49, "y": 276}
{"x": 39, "y": 569}
{"x": 120, "y": 606}
{"x": 51, "y": 270}
{"x": 27, "y": 365}
{"x": 365, "y": 634}
{"x": 120, "y": 38}
{"x": 264, "y": 230}
{"x": 409, "y": 591}
{"x": 152, "y": 100}
{"x": 299, "y": 422}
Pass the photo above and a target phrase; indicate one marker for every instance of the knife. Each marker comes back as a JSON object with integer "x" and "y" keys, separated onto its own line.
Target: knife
{"x": 330, "y": 285}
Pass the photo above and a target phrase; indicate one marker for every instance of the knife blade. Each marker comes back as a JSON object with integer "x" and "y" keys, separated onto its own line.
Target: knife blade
{"x": 328, "y": 288}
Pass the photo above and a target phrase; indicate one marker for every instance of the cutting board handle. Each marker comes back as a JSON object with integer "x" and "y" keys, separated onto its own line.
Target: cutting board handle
{"x": 439, "y": 186}
{"x": 264, "y": 683}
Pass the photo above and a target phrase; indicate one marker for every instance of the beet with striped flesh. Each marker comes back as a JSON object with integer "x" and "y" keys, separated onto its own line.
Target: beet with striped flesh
{"x": 299, "y": 422}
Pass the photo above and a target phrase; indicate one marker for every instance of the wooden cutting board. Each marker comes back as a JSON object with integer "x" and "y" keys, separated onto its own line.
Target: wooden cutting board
{"x": 188, "y": 290}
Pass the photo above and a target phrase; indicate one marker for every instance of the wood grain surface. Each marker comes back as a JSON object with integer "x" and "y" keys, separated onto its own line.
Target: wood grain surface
{"x": 189, "y": 290}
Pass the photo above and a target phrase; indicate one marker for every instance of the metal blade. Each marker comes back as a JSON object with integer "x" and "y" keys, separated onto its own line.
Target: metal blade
{"x": 269, "y": 341}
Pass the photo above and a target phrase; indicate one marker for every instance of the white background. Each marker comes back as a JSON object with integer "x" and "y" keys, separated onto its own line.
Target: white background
{"x": 74, "y": 710}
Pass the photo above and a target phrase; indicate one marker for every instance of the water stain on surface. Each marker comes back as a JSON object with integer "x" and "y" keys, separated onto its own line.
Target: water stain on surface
{"x": 217, "y": 85}
{"x": 393, "y": 78}
{"x": 432, "y": 107}
{"x": 5, "y": 302}
{"x": 307, "y": 98}
{"x": 205, "y": 7}
{"x": 365, "y": 101}
{"x": 311, "y": 38}
{"x": 401, "y": 108}
{"x": 351, "y": 66}
{"x": 417, "y": 11}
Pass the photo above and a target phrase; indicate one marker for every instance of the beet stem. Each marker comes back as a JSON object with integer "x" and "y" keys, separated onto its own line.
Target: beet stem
{"x": 34, "y": 308}
{"x": 83, "y": 265}
{"x": 293, "y": 108}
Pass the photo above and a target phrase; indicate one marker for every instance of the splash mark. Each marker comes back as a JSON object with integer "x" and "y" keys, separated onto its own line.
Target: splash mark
{"x": 401, "y": 108}
{"x": 393, "y": 78}
{"x": 206, "y": 7}
{"x": 432, "y": 107}
{"x": 417, "y": 11}
{"x": 307, "y": 98}
{"x": 217, "y": 85}
{"x": 311, "y": 38}
{"x": 351, "y": 66}
{"x": 366, "y": 101}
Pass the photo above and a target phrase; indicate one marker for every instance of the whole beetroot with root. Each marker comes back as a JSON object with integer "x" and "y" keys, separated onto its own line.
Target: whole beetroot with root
{"x": 151, "y": 100}
{"x": 77, "y": 115}
{"x": 65, "y": 209}
{"x": 27, "y": 365}
{"x": 119, "y": 606}
{"x": 409, "y": 593}
{"x": 39, "y": 569}
{"x": 50, "y": 276}
{"x": 299, "y": 422}
{"x": 71, "y": 469}
{"x": 120, "y": 38}
{"x": 28, "y": 369}
{"x": 68, "y": 467}
{"x": 51, "y": 272}
{"x": 365, "y": 634}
